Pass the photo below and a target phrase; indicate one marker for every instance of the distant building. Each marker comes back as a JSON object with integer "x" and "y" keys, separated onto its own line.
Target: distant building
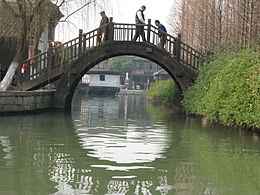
{"x": 142, "y": 75}
{"x": 102, "y": 65}
{"x": 140, "y": 78}
{"x": 161, "y": 75}
{"x": 102, "y": 81}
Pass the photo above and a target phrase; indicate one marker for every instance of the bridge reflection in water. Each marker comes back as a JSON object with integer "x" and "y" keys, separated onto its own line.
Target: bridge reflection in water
{"x": 116, "y": 131}
{"x": 122, "y": 143}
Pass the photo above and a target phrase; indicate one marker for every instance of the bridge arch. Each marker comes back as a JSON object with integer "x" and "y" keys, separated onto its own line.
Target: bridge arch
{"x": 182, "y": 75}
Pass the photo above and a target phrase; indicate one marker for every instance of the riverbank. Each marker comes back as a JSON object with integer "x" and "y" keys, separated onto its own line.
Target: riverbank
{"x": 165, "y": 92}
{"x": 13, "y": 102}
{"x": 226, "y": 90}
{"x": 25, "y": 101}
{"x": 131, "y": 92}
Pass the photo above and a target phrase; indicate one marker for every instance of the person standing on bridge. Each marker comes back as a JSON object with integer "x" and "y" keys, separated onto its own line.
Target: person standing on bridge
{"x": 162, "y": 33}
{"x": 140, "y": 21}
{"x": 103, "y": 28}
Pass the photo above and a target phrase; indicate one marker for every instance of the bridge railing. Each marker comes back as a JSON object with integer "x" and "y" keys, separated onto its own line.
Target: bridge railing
{"x": 52, "y": 62}
{"x": 57, "y": 56}
{"x": 185, "y": 54}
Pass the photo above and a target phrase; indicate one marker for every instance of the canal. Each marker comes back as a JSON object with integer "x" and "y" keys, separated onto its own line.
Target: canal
{"x": 124, "y": 145}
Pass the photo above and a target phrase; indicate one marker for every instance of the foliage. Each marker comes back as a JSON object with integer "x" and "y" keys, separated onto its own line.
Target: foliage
{"x": 204, "y": 24}
{"x": 227, "y": 89}
{"x": 163, "y": 91}
{"x": 121, "y": 64}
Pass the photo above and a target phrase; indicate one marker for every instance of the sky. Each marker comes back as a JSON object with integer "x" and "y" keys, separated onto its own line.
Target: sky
{"x": 122, "y": 11}
{"x": 155, "y": 9}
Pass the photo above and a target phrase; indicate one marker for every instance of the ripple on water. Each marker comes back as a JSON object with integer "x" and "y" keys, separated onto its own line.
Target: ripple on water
{"x": 124, "y": 144}
{"x": 121, "y": 168}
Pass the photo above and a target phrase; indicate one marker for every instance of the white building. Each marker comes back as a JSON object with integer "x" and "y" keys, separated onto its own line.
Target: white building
{"x": 103, "y": 81}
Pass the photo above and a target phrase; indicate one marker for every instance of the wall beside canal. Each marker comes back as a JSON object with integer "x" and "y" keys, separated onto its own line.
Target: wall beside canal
{"x": 132, "y": 92}
{"x": 26, "y": 101}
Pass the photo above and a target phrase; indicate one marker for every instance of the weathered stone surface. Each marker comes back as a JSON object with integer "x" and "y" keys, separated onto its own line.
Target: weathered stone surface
{"x": 18, "y": 101}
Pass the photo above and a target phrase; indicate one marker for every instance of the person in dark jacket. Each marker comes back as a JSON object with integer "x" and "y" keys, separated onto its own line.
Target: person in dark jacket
{"x": 162, "y": 33}
{"x": 103, "y": 31}
{"x": 140, "y": 19}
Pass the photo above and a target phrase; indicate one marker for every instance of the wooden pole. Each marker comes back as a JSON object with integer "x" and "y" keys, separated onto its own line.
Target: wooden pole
{"x": 178, "y": 48}
{"x": 49, "y": 58}
{"x": 149, "y": 30}
{"x": 111, "y": 30}
{"x": 80, "y": 42}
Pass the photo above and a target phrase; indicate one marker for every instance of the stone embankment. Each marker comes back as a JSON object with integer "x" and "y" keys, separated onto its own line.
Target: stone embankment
{"x": 32, "y": 101}
{"x": 25, "y": 101}
{"x": 131, "y": 92}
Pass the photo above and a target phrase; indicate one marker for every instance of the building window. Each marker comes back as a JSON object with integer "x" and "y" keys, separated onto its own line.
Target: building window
{"x": 102, "y": 77}
{"x": 141, "y": 66}
{"x": 151, "y": 67}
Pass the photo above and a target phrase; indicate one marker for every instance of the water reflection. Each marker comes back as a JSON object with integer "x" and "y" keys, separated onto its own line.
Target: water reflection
{"x": 127, "y": 143}
{"x": 108, "y": 147}
{"x": 6, "y": 150}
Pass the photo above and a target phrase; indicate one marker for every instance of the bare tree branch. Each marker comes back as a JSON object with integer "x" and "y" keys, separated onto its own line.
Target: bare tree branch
{"x": 206, "y": 24}
{"x": 8, "y": 6}
{"x": 80, "y": 8}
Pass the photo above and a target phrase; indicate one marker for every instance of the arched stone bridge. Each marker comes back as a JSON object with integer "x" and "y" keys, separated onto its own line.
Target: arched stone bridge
{"x": 71, "y": 60}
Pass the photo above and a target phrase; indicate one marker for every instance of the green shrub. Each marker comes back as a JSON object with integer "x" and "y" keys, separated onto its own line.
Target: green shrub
{"x": 228, "y": 89}
{"x": 163, "y": 91}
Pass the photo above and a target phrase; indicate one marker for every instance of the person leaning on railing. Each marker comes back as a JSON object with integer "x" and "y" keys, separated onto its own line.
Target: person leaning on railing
{"x": 140, "y": 19}
{"x": 103, "y": 28}
{"x": 162, "y": 33}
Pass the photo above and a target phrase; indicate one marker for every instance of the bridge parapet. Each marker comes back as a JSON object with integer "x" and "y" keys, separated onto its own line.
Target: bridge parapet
{"x": 49, "y": 66}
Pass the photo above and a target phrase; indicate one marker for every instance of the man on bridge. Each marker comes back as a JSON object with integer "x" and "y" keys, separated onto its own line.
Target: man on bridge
{"x": 162, "y": 34}
{"x": 103, "y": 31}
{"x": 140, "y": 20}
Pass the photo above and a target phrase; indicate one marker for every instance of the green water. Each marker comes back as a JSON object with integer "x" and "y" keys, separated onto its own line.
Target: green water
{"x": 124, "y": 145}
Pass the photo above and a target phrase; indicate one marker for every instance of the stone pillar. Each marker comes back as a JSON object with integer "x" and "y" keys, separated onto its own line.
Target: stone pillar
{"x": 111, "y": 30}
{"x": 80, "y": 42}
{"x": 149, "y": 30}
{"x": 178, "y": 47}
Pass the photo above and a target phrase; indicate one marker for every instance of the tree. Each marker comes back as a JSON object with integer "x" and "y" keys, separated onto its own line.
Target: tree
{"x": 206, "y": 24}
{"x": 121, "y": 64}
{"x": 32, "y": 18}
{"x": 25, "y": 14}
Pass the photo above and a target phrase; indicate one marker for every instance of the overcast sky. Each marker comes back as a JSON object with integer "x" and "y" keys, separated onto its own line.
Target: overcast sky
{"x": 156, "y": 9}
{"x": 122, "y": 11}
